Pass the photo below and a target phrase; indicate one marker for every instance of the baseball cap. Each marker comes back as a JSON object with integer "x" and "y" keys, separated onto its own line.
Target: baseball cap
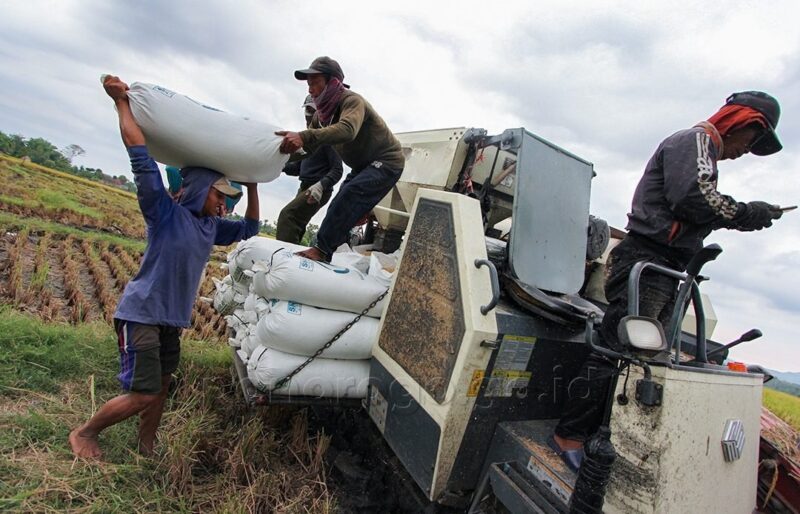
{"x": 324, "y": 65}
{"x": 224, "y": 186}
{"x": 768, "y": 106}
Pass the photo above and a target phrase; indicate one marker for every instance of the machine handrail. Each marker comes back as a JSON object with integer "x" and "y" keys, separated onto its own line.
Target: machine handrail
{"x": 689, "y": 286}
{"x": 495, "y": 281}
{"x": 635, "y": 275}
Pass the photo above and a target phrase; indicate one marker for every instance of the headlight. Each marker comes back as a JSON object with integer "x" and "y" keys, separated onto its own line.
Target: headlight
{"x": 642, "y": 333}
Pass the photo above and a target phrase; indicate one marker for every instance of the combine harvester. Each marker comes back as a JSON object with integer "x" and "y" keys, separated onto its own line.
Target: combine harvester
{"x": 488, "y": 322}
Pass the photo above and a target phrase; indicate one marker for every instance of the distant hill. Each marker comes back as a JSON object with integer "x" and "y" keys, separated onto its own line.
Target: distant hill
{"x": 787, "y": 376}
{"x": 783, "y": 386}
{"x": 45, "y": 153}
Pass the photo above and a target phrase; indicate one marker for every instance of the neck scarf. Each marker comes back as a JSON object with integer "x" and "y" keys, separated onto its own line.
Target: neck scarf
{"x": 713, "y": 133}
{"x": 328, "y": 100}
{"x": 731, "y": 117}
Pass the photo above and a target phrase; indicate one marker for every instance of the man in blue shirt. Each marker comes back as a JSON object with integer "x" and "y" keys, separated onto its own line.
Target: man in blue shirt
{"x": 157, "y": 303}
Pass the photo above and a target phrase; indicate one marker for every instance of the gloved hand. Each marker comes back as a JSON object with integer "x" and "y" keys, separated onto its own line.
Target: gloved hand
{"x": 314, "y": 193}
{"x": 757, "y": 215}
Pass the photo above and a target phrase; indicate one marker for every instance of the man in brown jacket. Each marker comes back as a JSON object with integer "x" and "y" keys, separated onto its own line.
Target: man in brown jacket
{"x": 347, "y": 122}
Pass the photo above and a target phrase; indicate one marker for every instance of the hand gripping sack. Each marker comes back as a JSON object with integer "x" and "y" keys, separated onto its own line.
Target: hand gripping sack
{"x": 183, "y": 132}
{"x": 302, "y": 329}
{"x": 322, "y": 378}
{"x": 297, "y": 279}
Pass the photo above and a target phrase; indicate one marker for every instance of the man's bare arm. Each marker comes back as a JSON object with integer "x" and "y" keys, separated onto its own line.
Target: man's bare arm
{"x": 252, "y": 212}
{"x": 118, "y": 91}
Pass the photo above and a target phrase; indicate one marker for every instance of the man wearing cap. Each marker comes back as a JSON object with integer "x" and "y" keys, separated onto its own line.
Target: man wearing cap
{"x": 675, "y": 206}
{"x": 346, "y": 121}
{"x": 175, "y": 188}
{"x": 318, "y": 173}
{"x": 157, "y": 303}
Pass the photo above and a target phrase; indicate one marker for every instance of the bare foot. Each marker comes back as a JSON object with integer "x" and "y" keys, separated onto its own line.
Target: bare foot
{"x": 85, "y": 447}
{"x": 567, "y": 444}
{"x": 146, "y": 449}
{"x": 312, "y": 253}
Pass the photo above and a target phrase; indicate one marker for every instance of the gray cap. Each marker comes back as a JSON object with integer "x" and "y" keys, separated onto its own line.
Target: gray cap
{"x": 324, "y": 65}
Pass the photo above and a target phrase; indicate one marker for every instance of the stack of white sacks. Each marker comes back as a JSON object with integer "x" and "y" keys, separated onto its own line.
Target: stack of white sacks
{"x": 282, "y": 308}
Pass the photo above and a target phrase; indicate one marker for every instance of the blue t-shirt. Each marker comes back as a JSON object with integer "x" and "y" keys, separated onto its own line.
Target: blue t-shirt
{"x": 179, "y": 241}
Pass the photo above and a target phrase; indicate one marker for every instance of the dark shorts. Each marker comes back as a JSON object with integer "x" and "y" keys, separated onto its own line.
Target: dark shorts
{"x": 146, "y": 353}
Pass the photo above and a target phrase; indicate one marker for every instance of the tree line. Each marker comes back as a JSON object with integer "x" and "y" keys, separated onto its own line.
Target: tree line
{"x": 269, "y": 228}
{"x": 45, "y": 153}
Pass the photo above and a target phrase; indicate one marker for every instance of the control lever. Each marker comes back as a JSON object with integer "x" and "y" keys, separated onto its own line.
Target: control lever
{"x": 689, "y": 288}
{"x": 747, "y": 336}
{"x": 708, "y": 253}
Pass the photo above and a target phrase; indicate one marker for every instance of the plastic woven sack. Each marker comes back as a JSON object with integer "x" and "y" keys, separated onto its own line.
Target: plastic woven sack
{"x": 322, "y": 378}
{"x": 294, "y": 278}
{"x": 302, "y": 329}
{"x": 183, "y": 132}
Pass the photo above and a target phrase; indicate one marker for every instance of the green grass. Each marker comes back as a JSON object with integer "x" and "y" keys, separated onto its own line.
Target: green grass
{"x": 35, "y": 356}
{"x": 39, "y": 356}
{"x": 39, "y": 277}
{"x": 16, "y": 165}
{"x": 68, "y": 199}
{"x": 212, "y": 454}
{"x": 785, "y": 406}
{"x": 52, "y": 200}
{"x": 58, "y": 200}
{"x": 13, "y": 222}
{"x": 13, "y": 200}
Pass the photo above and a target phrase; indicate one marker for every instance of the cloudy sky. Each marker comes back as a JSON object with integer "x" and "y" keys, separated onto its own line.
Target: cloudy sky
{"x": 605, "y": 80}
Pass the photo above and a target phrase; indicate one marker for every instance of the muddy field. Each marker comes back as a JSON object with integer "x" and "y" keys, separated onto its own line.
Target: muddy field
{"x": 67, "y": 250}
{"x": 66, "y": 278}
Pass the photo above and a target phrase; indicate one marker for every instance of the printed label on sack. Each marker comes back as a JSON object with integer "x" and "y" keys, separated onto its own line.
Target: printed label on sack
{"x": 201, "y": 104}
{"x": 336, "y": 269}
{"x": 306, "y": 264}
{"x": 164, "y": 91}
{"x": 294, "y": 308}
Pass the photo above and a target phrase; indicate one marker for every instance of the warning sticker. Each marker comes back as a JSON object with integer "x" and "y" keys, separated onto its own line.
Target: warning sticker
{"x": 510, "y": 366}
{"x": 515, "y": 352}
{"x": 503, "y": 382}
{"x": 475, "y": 383}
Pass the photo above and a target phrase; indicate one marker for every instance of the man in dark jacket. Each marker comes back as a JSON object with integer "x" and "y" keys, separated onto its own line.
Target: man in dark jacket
{"x": 318, "y": 174}
{"x": 675, "y": 206}
{"x": 346, "y": 121}
{"x": 157, "y": 303}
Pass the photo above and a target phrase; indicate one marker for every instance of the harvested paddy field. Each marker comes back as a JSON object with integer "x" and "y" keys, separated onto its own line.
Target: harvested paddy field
{"x": 68, "y": 246}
